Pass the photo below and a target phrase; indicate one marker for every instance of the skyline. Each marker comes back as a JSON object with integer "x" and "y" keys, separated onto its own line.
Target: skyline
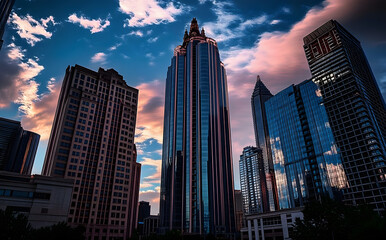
{"x": 277, "y": 57}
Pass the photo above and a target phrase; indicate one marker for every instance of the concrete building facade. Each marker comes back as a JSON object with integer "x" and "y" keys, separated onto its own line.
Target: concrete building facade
{"x": 44, "y": 200}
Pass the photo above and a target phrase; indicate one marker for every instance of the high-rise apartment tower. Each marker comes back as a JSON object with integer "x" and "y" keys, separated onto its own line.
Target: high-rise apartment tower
{"x": 355, "y": 108}
{"x": 197, "y": 176}
{"x": 92, "y": 142}
{"x": 250, "y": 179}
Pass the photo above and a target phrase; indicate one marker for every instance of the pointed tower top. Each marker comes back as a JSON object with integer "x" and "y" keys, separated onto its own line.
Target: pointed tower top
{"x": 194, "y": 30}
{"x": 260, "y": 88}
{"x": 202, "y": 32}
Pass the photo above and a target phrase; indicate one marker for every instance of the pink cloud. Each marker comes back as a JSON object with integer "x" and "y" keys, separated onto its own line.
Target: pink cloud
{"x": 150, "y": 111}
{"x": 17, "y": 83}
{"x": 151, "y": 196}
{"x": 278, "y": 57}
{"x": 42, "y": 112}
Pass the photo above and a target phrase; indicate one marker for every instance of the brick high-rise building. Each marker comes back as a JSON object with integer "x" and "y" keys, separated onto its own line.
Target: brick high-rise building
{"x": 92, "y": 142}
{"x": 355, "y": 108}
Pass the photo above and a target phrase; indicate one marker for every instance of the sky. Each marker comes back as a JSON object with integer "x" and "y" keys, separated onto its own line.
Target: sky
{"x": 137, "y": 38}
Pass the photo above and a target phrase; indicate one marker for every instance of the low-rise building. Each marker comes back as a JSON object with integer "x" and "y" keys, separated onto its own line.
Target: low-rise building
{"x": 151, "y": 225}
{"x": 276, "y": 225}
{"x": 44, "y": 200}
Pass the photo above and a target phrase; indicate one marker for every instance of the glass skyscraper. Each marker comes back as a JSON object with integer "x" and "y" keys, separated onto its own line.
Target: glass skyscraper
{"x": 306, "y": 160}
{"x": 355, "y": 109}
{"x": 267, "y": 183}
{"x": 17, "y": 147}
{"x": 197, "y": 177}
{"x": 5, "y": 10}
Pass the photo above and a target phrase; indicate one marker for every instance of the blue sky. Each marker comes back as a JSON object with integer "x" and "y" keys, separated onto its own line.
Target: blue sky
{"x": 137, "y": 39}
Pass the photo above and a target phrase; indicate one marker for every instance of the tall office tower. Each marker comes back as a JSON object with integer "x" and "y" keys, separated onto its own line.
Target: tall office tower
{"x": 143, "y": 210}
{"x": 269, "y": 200}
{"x": 250, "y": 179}
{"x": 17, "y": 147}
{"x": 306, "y": 159}
{"x": 143, "y": 213}
{"x": 197, "y": 176}
{"x": 92, "y": 142}
{"x": 355, "y": 108}
{"x": 5, "y": 10}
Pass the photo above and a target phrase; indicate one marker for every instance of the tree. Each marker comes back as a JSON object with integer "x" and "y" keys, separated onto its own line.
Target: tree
{"x": 60, "y": 231}
{"x": 329, "y": 219}
{"x": 14, "y": 226}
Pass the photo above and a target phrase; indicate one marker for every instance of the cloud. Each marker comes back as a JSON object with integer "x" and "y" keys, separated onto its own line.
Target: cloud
{"x": 114, "y": 47}
{"x": 229, "y": 25}
{"x": 150, "y": 111}
{"x": 42, "y": 112}
{"x": 152, "y": 40}
{"x": 275, "y": 21}
{"x": 155, "y": 178}
{"x": 136, "y": 33}
{"x": 278, "y": 57}
{"x": 99, "y": 57}
{"x": 30, "y": 29}
{"x": 151, "y": 58}
{"x": 153, "y": 197}
{"x": 17, "y": 84}
{"x": 95, "y": 25}
{"x": 150, "y": 12}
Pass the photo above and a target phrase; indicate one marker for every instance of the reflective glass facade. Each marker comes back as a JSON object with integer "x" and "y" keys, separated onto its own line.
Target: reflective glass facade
{"x": 197, "y": 176}
{"x": 355, "y": 109}
{"x": 17, "y": 147}
{"x": 306, "y": 160}
{"x": 267, "y": 183}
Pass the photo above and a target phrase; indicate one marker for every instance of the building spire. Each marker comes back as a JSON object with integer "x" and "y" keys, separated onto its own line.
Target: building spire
{"x": 260, "y": 88}
{"x": 194, "y": 29}
{"x": 202, "y": 32}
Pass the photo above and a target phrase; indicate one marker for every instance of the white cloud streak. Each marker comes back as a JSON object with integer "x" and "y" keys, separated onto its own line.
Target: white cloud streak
{"x": 94, "y": 25}
{"x": 150, "y": 12}
{"x": 31, "y": 30}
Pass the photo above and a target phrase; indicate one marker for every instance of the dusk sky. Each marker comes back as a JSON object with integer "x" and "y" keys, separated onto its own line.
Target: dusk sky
{"x": 137, "y": 38}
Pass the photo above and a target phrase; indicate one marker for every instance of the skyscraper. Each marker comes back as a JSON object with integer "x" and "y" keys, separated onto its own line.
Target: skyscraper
{"x": 17, "y": 147}
{"x": 355, "y": 108}
{"x": 5, "y": 10}
{"x": 267, "y": 183}
{"x": 239, "y": 210}
{"x": 92, "y": 142}
{"x": 143, "y": 213}
{"x": 306, "y": 159}
{"x": 250, "y": 179}
{"x": 197, "y": 175}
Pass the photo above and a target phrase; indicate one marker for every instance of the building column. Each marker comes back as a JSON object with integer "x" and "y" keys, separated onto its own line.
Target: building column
{"x": 249, "y": 230}
{"x": 262, "y": 228}
{"x": 284, "y": 226}
{"x": 256, "y": 229}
